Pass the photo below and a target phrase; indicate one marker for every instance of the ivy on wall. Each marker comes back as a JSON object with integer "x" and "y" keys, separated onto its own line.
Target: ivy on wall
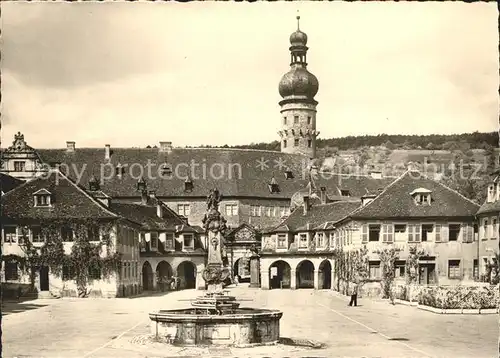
{"x": 351, "y": 266}
{"x": 388, "y": 257}
{"x": 412, "y": 266}
{"x": 92, "y": 255}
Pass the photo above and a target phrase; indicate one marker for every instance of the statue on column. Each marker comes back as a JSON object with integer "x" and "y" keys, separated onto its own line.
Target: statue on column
{"x": 215, "y": 227}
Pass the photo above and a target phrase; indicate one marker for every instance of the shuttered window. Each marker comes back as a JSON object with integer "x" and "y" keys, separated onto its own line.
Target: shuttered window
{"x": 437, "y": 236}
{"x": 364, "y": 233}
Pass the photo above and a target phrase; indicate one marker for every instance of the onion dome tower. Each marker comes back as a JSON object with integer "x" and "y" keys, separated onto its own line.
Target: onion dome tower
{"x": 298, "y": 106}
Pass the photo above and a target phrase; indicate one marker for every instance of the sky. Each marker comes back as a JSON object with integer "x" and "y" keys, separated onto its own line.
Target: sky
{"x": 133, "y": 74}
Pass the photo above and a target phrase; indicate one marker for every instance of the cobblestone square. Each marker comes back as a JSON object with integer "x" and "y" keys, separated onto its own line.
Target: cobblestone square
{"x": 120, "y": 328}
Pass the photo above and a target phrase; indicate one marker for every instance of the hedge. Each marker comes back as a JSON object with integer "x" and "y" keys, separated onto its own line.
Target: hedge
{"x": 452, "y": 297}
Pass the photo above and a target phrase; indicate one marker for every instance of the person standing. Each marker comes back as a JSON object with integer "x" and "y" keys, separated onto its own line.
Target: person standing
{"x": 354, "y": 294}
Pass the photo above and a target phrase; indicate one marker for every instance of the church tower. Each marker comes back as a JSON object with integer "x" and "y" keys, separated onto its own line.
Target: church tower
{"x": 298, "y": 106}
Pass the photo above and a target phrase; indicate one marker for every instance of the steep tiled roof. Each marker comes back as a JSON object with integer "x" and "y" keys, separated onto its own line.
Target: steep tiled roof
{"x": 316, "y": 216}
{"x": 356, "y": 185}
{"x": 147, "y": 216}
{"x": 252, "y": 180}
{"x": 7, "y": 183}
{"x": 396, "y": 201}
{"x": 489, "y": 207}
{"x": 69, "y": 201}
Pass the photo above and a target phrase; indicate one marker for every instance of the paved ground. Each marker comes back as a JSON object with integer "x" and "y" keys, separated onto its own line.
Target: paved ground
{"x": 119, "y": 327}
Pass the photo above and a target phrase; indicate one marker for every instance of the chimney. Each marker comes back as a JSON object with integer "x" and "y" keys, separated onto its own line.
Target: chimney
{"x": 152, "y": 194}
{"x": 107, "y": 151}
{"x": 306, "y": 204}
{"x": 70, "y": 146}
{"x": 144, "y": 197}
{"x": 323, "y": 195}
{"x": 165, "y": 147}
{"x": 159, "y": 210}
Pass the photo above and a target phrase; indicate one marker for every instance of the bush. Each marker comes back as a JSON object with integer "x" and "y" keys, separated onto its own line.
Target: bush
{"x": 458, "y": 297}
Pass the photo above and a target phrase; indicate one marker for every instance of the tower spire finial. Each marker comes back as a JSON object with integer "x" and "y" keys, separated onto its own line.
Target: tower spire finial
{"x": 298, "y": 20}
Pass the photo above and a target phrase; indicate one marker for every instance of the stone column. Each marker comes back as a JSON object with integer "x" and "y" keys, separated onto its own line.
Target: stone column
{"x": 264, "y": 277}
{"x": 155, "y": 285}
{"x": 293, "y": 279}
{"x": 200, "y": 282}
{"x": 332, "y": 276}
{"x": 254, "y": 271}
{"x": 316, "y": 279}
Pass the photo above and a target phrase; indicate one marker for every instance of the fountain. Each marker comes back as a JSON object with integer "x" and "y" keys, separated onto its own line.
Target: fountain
{"x": 216, "y": 318}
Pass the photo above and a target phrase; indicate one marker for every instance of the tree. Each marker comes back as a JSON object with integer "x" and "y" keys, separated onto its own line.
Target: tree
{"x": 388, "y": 257}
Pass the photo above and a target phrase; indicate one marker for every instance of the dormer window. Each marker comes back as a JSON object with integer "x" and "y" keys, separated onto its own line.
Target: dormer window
{"x": 166, "y": 169}
{"x": 422, "y": 196}
{"x": 93, "y": 184}
{"x": 289, "y": 174}
{"x": 344, "y": 192}
{"x": 141, "y": 185}
{"x": 188, "y": 185}
{"x": 491, "y": 190}
{"x": 43, "y": 198}
{"x": 273, "y": 186}
{"x": 119, "y": 170}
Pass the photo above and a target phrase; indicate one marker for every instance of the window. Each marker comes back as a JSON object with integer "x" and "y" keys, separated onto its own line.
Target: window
{"x": 36, "y": 234}
{"x": 485, "y": 229}
{"x": 284, "y": 210}
{"x": 284, "y": 120}
{"x": 399, "y": 268}
{"x": 289, "y": 174}
{"x": 93, "y": 233}
{"x": 255, "y": 210}
{"x": 282, "y": 241}
{"x": 11, "y": 271}
{"x": 268, "y": 211}
{"x": 320, "y": 239}
{"x": 454, "y": 269}
{"x": 188, "y": 242}
{"x": 414, "y": 233}
{"x": 67, "y": 234}
{"x": 166, "y": 169}
{"x": 426, "y": 230}
{"x": 468, "y": 236}
{"x": 374, "y": 234}
{"x": 154, "y": 241}
{"x": 437, "y": 234}
{"x": 183, "y": 209}
{"x": 494, "y": 229}
{"x": 309, "y": 143}
{"x": 364, "y": 233}
{"x": 19, "y": 166}
{"x": 188, "y": 186}
{"x": 309, "y": 120}
{"x": 374, "y": 269}
{"x": 68, "y": 272}
{"x": 454, "y": 232}
{"x": 332, "y": 239}
{"x": 345, "y": 192}
{"x": 295, "y": 119}
{"x": 284, "y": 143}
{"x": 42, "y": 199}
{"x": 296, "y": 142}
{"x": 475, "y": 270}
{"x": 169, "y": 241}
{"x": 231, "y": 209}
{"x": 119, "y": 170}
{"x": 10, "y": 234}
{"x": 95, "y": 272}
{"x": 143, "y": 243}
{"x": 400, "y": 228}
{"x": 303, "y": 242}
{"x": 387, "y": 233}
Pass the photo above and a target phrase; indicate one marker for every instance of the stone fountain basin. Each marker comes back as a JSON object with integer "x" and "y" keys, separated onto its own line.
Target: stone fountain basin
{"x": 242, "y": 327}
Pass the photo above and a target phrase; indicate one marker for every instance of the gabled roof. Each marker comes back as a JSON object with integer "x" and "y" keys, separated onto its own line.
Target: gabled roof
{"x": 147, "y": 216}
{"x": 396, "y": 200}
{"x": 70, "y": 201}
{"x": 7, "y": 183}
{"x": 317, "y": 215}
{"x": 42, "y": 191}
